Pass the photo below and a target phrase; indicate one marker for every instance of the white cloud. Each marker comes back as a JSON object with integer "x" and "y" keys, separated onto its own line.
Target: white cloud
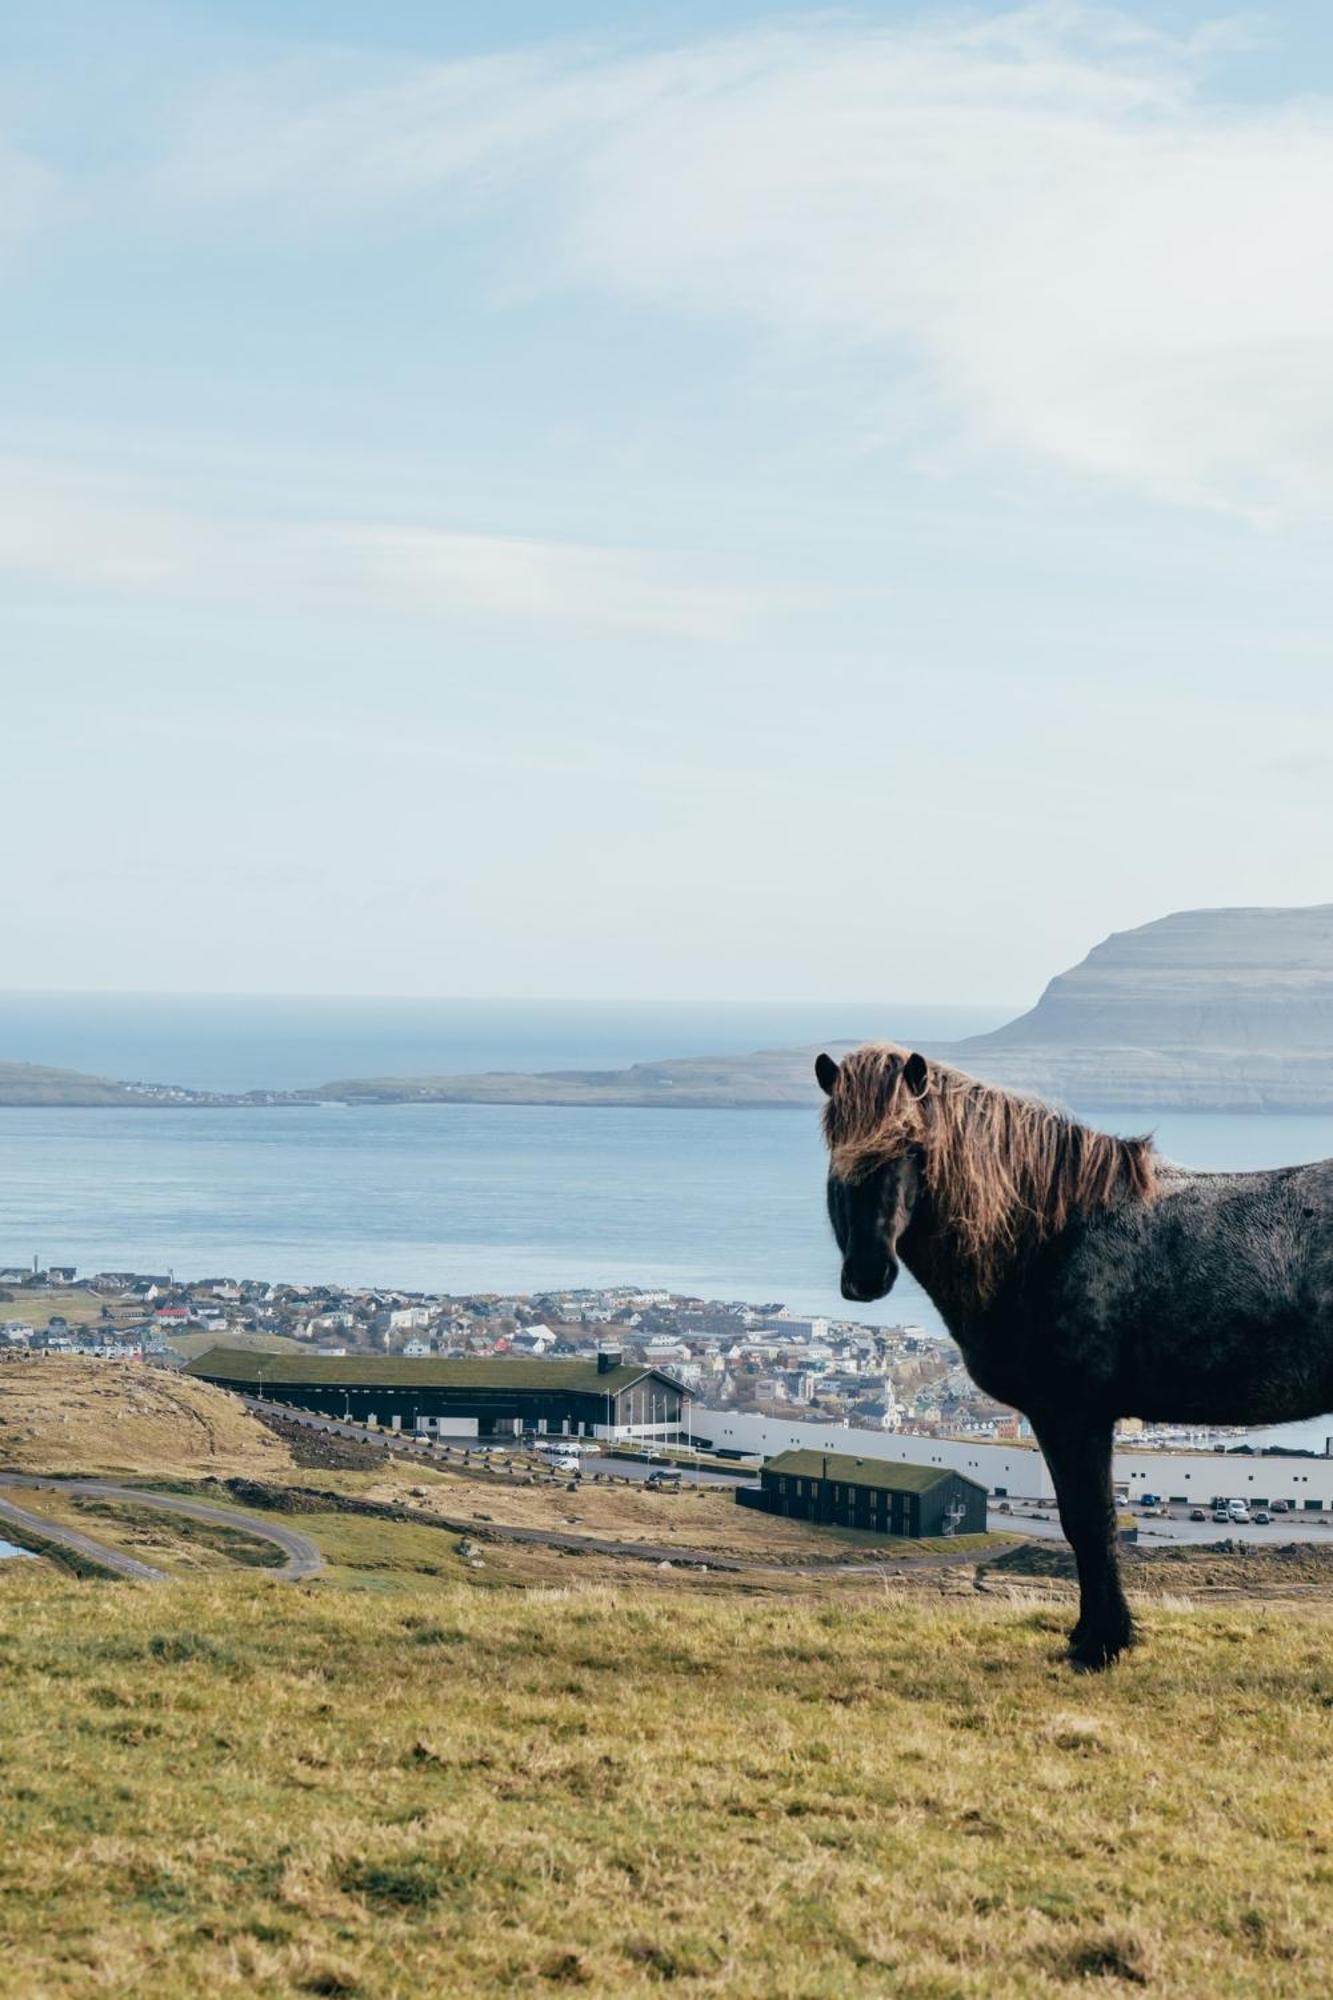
{"x": 83, "y": 530}
{"x": 1054, "y": 241}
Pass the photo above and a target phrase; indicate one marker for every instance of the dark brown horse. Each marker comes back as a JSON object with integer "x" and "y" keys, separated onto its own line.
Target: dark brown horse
{"x": 1083, "y": 1278}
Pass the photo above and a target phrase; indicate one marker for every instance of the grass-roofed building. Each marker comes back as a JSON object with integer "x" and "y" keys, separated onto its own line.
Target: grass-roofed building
{"x": 879, "y": 1494}
{"x": 503, "y": 1395}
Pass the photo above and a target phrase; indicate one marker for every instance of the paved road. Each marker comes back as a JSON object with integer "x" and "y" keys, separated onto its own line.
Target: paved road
{"x": 407, "y": 1441}
{"x": 84, "y": 1545}
{"x": 303, "y": 1557}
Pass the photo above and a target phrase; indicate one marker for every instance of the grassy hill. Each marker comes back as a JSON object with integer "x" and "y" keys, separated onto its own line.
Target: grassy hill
{"x": 192, "y": 1345}
{"x": 64, "y": 1414}
{"x": 245, "y": 1787}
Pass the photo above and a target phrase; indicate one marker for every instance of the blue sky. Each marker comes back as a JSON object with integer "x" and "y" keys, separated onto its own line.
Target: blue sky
{"x": 671, "y": 501}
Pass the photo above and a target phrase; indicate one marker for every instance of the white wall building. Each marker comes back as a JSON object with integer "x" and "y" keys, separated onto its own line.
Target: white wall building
{"x": 1014, "y": 1470}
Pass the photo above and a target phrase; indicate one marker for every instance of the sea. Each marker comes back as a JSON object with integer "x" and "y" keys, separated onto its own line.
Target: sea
{"x": 469, "y": 1198}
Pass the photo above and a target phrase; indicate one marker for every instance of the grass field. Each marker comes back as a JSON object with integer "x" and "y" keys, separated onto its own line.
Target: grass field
{"x": 64, "y": 1414}
{"x": 77, "y": 1306}
{"x": 192, "y": 1345}
{"x": 693, "y": 1518}
{"x": 252, "y": 1788}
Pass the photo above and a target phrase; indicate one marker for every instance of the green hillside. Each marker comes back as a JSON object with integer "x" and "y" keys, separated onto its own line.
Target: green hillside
{"x": 425, "y": 1786}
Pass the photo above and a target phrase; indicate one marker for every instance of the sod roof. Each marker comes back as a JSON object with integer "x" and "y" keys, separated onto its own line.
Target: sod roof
{"x": 840, "y": 1466}
{"x": 395, "y": 1371}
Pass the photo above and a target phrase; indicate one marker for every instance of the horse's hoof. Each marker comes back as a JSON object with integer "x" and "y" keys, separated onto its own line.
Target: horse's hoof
{"x": 1094, "y": 1652}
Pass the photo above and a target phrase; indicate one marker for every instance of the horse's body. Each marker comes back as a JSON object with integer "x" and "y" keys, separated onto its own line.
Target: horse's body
{"x": 1083, "y": 1279}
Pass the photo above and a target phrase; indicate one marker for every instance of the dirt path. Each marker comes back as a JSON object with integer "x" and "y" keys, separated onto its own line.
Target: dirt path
{"x": 303, "y": 1557}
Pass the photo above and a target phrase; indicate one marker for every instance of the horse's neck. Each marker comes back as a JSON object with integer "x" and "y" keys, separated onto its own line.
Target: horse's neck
{"x": 945, "y": 1271}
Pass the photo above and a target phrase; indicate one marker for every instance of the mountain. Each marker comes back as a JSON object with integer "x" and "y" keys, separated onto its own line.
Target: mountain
{"x": 1205, "y": 1010}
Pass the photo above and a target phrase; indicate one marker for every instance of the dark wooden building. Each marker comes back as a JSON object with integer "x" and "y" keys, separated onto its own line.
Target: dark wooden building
{"x": 880, "y": 1494}
{"x": 504, "y": 1395}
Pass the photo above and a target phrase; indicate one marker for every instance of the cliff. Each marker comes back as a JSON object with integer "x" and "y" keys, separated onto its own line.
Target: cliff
{"x": 1204, "y": 1010}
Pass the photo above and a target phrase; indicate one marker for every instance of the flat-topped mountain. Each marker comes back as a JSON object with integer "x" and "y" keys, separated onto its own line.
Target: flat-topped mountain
{"x": 1224, "y": 979}
{"x": 1207, "y": 1010}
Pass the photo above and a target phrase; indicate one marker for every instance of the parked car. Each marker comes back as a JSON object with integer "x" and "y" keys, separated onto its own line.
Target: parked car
{"x": 1238, "y": 1511}
{"x": 1282, "y": 1506}
{"x": 1197, "y": 1514}
{"x": 1221, "y": 1514}
{"x": 1262, "y": 1518}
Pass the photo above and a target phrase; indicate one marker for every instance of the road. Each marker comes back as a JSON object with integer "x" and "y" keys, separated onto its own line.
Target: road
{"x": 303, "y": 1557}
{"x": 408, "y": 1442}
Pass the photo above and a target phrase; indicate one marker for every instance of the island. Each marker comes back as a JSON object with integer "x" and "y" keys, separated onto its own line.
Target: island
{"x": 1202, "y": 1010}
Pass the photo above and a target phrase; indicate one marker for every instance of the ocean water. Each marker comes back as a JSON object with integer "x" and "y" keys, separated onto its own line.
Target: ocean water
{"x": 727, "y": 1204}
{"x": 464, "y": 1198}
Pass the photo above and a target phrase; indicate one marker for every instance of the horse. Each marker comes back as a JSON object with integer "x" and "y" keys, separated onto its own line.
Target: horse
{"x": 1083, "y": 1277}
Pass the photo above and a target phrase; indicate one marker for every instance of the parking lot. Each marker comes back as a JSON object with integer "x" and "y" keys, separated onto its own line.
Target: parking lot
{"x": 1175, "y": 1525}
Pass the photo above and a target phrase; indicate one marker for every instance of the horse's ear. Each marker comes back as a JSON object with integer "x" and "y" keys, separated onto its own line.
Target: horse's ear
{"x": 826, "y": 1070}
{"x": 916, "y": 1074}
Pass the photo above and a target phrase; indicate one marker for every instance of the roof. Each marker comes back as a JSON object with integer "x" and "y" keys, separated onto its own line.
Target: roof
{"x": 395, "y": 1371}
{"x": 849, "y": 1471}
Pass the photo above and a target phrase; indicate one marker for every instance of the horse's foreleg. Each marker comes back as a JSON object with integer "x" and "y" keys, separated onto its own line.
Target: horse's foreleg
{"x": 1078, "y": 1451}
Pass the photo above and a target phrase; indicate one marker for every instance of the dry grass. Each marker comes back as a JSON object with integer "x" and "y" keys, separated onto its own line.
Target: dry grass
{"x": 703, "y": 1518}
{"x": 64, "y": 1414}
{"x": 259, "y": 1789}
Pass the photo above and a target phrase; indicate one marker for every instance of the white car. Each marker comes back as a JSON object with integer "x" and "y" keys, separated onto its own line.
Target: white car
{"x": 1238, "y": 1511}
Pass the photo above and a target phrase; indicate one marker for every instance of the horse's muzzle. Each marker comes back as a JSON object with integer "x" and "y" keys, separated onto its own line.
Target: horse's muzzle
{"x": 861, "y": 1286}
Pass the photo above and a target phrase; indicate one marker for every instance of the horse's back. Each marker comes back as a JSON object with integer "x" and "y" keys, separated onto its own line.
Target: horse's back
{"x": 1214, "y": 1301}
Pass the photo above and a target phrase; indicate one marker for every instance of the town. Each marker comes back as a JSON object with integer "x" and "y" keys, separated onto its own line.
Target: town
{"x": 730, "y": 1355}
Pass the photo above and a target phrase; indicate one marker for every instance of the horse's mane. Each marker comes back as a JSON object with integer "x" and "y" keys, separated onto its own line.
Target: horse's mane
{"x": 1006, "y": 1173}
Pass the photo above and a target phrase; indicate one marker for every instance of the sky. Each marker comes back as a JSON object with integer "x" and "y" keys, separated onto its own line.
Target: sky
{"x": 664, "y": 501}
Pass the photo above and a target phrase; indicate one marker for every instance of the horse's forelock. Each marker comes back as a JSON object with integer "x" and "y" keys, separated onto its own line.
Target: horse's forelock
{"x": 869, "y": 1117}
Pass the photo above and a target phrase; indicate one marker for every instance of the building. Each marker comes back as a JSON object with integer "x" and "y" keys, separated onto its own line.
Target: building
{"x": 503, "y": 1395}
{"x": 873, "y": 1493}
{"x": 1016, "y": 1470}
